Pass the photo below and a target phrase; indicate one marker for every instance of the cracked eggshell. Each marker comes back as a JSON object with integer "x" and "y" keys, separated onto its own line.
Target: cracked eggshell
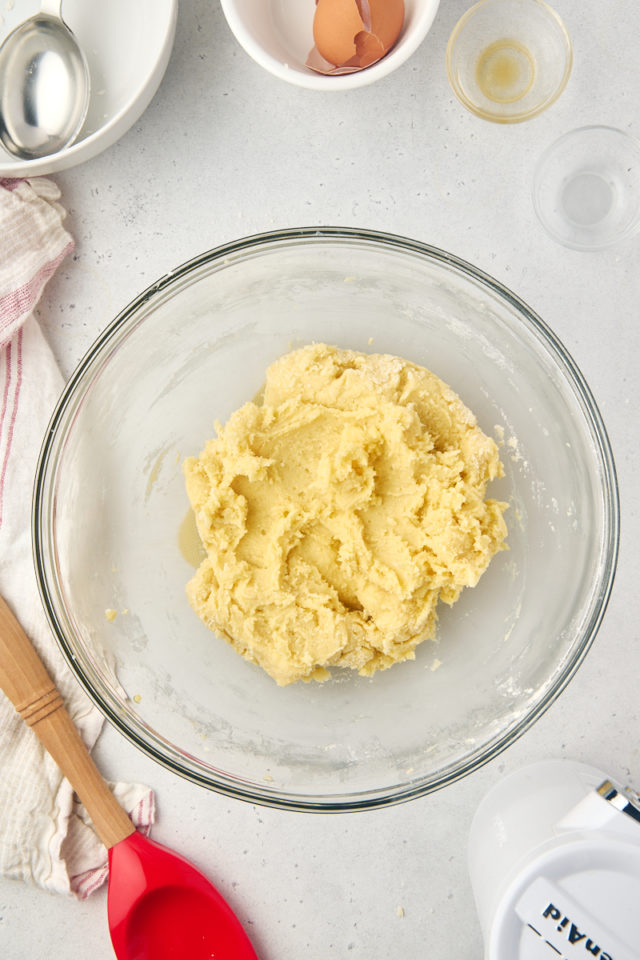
{"x": 352, "y": 34}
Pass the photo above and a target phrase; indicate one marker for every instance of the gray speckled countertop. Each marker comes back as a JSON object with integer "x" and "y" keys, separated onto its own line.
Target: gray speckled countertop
{"x": 226, "y": 150}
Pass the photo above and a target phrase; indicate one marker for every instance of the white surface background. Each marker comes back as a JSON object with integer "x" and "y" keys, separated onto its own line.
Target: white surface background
{"x": 226, "y": 150}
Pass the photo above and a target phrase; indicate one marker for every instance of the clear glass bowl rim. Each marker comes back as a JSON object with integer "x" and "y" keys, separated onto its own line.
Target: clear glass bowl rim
{"x": 466, "y": 18}
{"x": 601, "y": 129}
{"x": 154, "y": 746}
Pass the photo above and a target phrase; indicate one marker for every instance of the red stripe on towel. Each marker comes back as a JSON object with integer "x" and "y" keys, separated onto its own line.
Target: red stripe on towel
{"x": 11, "y": 184}
{"x": 9, "y": 407}
{"x": 16, "y": 305}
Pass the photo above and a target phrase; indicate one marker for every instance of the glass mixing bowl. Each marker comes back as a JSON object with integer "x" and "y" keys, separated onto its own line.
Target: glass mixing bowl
{"x": 110, "y": 503}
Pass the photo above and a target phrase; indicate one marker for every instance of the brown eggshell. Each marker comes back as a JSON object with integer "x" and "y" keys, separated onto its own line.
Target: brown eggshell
{"x": 351, "y": 34}
{"x": 387, "y": 17}
{"x": 335, "y": 25}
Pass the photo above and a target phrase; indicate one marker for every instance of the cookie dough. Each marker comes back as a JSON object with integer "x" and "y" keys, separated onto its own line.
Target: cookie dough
{"x": 338, "y": 511}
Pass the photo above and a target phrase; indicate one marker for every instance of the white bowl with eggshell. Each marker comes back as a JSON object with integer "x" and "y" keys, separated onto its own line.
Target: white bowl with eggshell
{"x": 279, "y": 36}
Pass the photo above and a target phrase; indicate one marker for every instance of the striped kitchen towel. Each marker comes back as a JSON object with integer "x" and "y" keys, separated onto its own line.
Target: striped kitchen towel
{"x": 45, "y": 837}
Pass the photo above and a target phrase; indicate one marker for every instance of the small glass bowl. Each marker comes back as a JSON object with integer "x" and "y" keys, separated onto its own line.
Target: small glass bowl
{"x": 508, "y": 60}
{"x": 586, "y": 188}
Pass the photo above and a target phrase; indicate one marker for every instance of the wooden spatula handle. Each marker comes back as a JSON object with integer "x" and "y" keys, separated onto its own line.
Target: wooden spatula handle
{"x": 25, "y": 680}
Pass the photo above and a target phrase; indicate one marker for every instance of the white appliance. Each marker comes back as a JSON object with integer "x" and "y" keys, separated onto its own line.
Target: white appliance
{"x": 554, "y": 858}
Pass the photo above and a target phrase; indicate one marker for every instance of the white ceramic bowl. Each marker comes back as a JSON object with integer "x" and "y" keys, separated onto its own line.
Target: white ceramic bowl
{"x": 278, "y": 34}
{"x": 127, "y": 46}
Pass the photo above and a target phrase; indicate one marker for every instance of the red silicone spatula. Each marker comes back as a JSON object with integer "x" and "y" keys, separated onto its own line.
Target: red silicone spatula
{"x": 160, "y": 907}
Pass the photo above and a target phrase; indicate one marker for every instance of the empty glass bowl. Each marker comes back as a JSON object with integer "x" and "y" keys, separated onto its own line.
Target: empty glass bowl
{"x": 110, "y": 503}
{"x": 586, "y": 188}
{"x": 508, "y": 60}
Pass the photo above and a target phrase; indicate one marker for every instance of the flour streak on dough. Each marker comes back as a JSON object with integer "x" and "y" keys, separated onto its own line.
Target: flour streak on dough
{"x": 339, "y": 511}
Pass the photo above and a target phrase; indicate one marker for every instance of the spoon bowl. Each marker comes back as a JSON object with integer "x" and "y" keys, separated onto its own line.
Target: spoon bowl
{"x": 44, "y": 87}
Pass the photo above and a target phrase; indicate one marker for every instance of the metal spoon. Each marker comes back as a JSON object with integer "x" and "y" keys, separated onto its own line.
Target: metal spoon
{"x": 44, "y": 85}
{"x": 160, "y": 907}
